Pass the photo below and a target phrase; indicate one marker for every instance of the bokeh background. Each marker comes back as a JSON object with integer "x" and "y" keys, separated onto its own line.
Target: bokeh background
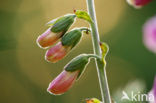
{"x": 24, "y": 73}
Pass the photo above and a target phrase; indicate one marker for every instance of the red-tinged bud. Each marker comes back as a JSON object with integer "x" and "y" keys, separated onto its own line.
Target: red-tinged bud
{"x": 67, "y": 43}
{"x": 70, "y": 74}
{"x": 57, "y": 52}
{"x": 48, "y": 38}
{"x": 58, "y": 28}
{"x": 62, "y": 82}
{"x": 138, "y": 3}
{"x": 149, "y": 37}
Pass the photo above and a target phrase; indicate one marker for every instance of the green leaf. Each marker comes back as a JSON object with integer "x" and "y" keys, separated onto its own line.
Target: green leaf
{"x": 83, "y": 15}
{"x": 104, "y": 48}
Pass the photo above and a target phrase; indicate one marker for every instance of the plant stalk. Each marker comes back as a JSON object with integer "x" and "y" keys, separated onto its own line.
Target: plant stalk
{"x": 101, "y": 71}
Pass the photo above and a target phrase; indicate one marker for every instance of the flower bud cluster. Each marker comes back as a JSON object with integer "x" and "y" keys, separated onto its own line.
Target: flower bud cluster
{"x": 58, "y": 39}
{"x": 60, "y": 42}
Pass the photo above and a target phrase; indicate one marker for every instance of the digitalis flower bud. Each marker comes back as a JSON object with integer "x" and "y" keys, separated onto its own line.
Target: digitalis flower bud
{"x": 138, "y": 3}
{"x": 48, "y": 38}
{"x": 56, "y": 31}
{"x": 57, "y": 52}
{"x": 149, "y": 34}
{"x": 62, "y": 82}
{"x": 70, "y": 74}
{"x": 68, "y": 41}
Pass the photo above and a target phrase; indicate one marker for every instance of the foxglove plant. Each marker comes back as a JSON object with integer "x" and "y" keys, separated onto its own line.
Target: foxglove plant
{"x": 64, "y": 41}
{"x": 60, "y": 41}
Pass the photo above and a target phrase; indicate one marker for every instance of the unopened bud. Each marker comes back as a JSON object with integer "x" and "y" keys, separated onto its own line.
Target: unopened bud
{"x": 56, "y": 52}
{"x": 48, "y": 38}
{"x": 56, "y": 31}
{"x": 62, "y": 82}
{"x": 70, "y": 74}
{"x": 61, "y": 49}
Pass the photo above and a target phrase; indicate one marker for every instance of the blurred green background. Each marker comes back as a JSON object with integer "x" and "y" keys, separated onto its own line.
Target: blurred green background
{"x": 24, "y": 73}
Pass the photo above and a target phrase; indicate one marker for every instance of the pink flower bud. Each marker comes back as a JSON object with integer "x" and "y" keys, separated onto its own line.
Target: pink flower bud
{"x": 48, "y": 38}
{"x": 57, "y": 52}
{"x": 153, "y": 92}
{"x": 149, "y": 36}
{"x": 138, "y": 3}
{"x": 62, "y": 82}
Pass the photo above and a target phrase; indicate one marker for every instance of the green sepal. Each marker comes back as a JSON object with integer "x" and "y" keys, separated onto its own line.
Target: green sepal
{"x": 51, "y": 23}
{"x": 78, "y": 63}
{"x": 71, "y": 38}
{"x": 62, "y": 24}
{"x": 83, "y": 15}
{"x": 104, "y": 48}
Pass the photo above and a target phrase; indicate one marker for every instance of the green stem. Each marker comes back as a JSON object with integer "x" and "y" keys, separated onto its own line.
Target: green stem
{"x": 97, "y": 51}
{"x": 94, "y": 56}
{"x": 84, "y": 29}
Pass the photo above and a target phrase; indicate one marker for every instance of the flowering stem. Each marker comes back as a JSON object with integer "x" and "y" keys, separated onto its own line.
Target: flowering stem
{"x": 97, "y": 51}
